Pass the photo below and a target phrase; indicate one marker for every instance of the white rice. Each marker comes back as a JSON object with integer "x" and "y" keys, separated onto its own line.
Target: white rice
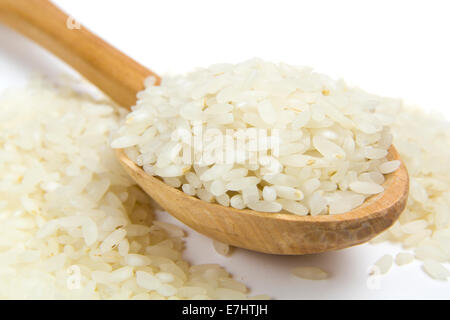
{"x": 310, "y": 273}
{"x": 332, "y": 139}
{"x": 423, "y": 141}
{"x": 384, "y": 264}
{"x": 404, "y": 258}
{"x": 221, "y": 248}
{"x": 73, "y": 225}
{"x": 436, "y": 270}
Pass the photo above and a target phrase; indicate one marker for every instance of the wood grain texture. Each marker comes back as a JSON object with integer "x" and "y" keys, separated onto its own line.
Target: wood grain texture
{"x": 280, "y": 233}
{"x": 117, "y": 75}
{"x": 121, "y": 78}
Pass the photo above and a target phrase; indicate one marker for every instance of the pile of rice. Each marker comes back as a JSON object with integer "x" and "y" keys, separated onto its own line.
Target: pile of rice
{"x": 72, "y": 224}
{"x": 423, "y": 229}
{"x": 318, "y": 145}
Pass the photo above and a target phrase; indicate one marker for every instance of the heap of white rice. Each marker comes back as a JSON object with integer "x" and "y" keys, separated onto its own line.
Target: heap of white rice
{"x": 423, "y": 229}
{"x": 72, "y": 224}
{"x": 323, "y": 149}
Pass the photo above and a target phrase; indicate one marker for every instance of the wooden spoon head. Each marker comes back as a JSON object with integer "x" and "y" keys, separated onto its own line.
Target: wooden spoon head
{"x": 280, "y": 233}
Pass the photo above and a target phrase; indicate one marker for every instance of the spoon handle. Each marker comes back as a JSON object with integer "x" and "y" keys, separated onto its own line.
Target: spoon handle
{"x": 117, "y": 75}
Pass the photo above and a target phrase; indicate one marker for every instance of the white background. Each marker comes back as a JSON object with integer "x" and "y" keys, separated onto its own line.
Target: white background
{"x": 393, "y": 48}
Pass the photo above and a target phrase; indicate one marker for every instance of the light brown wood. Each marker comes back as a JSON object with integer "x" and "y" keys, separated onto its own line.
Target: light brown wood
{"x": 121, "y": 78}
{"x": 117, "y": 75}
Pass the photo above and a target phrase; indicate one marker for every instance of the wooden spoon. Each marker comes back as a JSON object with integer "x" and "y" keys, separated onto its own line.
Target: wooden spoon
{"x": 121, "y": 78}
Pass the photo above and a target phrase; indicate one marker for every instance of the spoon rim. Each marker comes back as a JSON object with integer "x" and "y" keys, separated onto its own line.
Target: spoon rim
{"x": 370, "y": 207}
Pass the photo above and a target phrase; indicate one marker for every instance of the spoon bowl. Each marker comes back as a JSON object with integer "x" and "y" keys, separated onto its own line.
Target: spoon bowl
{"x": 122, "y": 78}
{"x": 280, "y": 233}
